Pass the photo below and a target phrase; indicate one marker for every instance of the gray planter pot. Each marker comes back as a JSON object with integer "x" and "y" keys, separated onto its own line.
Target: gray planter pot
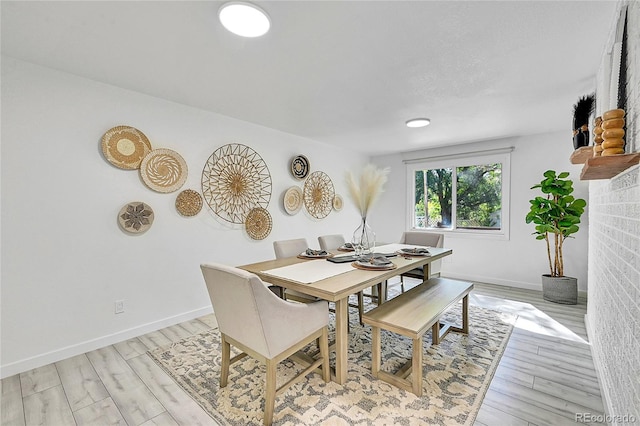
{"x": 560, "y": 289}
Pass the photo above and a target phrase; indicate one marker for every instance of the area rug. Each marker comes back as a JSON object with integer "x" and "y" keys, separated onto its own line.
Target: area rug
{"x": 457, "y": 373}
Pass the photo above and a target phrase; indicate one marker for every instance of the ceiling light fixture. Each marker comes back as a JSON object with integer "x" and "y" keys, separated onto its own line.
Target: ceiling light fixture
{"x": 418, "y": 122}
{"x": 244, "y": 19}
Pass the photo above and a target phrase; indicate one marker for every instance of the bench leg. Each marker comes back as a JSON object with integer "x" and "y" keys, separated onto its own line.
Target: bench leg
{"x": 416, "y": 367}
{"x": 375, "y": 351}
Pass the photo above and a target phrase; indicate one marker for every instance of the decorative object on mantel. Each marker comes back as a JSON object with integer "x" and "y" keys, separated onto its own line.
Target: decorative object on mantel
{"x": 337, "y": 203}
{"x": 364, "y": 191}
{"x": 125, "y": 147}
{"x": 581, "y": 112}
{"x": 300, "y": 167}
{"x": 556, "y": 216}
{"x": 163, "y": 170}
{"x": 292, "y": 200}
{"x": 258, "y": 223}
{"x": 235, "y": 179}
{"x": 189, "y": 202}
{"x": 135, "y": 217}
{"x": 613, "y": 132}
{"x": 318, "y": 194}
{"x": 597, "y": 137}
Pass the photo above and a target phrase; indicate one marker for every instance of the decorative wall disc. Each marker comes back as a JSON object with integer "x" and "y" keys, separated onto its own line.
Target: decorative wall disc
{"x": 300, "y": 167}
{"x": 318, "y": 194}
{"x": 337, "y": 203}
{"x": 189, "y": 202}
{"x": 235, "y": 180}
{"x": 125, "y": 147}
{"x": 163, "y": 170}
{"x": 258, "y": 223}
{"x": 293, "y": 200}
{"x": 135, "y": 217}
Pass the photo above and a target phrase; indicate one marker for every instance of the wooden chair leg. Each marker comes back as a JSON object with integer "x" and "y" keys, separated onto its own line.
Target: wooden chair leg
{"x": 360, "y": 306}
{"x": 401, "y": 284}
{"x": 226, "y": 355}
{"x": 270, "y": 396}
{"x": 465, "y": 314}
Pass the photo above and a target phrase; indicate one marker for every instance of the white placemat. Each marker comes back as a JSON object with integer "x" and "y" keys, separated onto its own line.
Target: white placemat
{"x": 311, "y": 271}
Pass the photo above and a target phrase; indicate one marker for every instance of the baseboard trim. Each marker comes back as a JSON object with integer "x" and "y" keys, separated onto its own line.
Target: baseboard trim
{"x": 26, "y": 364}
{"x": 498, "y": 281}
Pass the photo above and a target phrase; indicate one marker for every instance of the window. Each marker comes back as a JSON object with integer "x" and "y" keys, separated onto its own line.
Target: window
{"x": 461, "y": 194}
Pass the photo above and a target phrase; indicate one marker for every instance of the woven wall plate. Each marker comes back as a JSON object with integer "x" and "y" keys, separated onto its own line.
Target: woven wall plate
{"x": 125, "y": 147}
{"x": 163, "y": 170}
{"x": 318, "y": 194}
{"x": 292, "y": 200}
{"x": 135, "y": 217}
{"x": 300, "y": 167}
{"x": 189, "y": 202}
{"x": 337, "y": 203}
{"x": 258, "y": 223}
{"x": 235, "y": 179}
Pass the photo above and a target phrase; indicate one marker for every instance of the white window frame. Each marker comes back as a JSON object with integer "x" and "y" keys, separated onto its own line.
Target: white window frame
{"x": 502, "y": 156}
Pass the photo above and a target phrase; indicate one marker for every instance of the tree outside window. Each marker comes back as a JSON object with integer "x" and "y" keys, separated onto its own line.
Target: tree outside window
{"x": 477, "y": 203}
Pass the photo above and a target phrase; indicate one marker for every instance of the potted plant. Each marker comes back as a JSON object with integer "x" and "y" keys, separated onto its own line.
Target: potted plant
{"x": 556, "y": 216}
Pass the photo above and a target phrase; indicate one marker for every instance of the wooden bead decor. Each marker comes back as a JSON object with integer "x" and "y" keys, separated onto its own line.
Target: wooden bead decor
{"x": 613, "y": 132}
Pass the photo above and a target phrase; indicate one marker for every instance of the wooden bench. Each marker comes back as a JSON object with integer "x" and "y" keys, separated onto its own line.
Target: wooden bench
{"x": 411, "y": 314}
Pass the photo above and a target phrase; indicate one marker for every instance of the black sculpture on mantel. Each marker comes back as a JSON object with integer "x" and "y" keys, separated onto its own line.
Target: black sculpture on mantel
{"x": 581, "y": 112}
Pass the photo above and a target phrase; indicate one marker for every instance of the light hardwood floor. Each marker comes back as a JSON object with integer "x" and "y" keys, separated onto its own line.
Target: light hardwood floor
{"x": 545, "y": 376}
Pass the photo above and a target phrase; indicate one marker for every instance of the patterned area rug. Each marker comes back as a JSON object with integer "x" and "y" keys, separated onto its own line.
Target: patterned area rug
{"x": 456, "y": 374}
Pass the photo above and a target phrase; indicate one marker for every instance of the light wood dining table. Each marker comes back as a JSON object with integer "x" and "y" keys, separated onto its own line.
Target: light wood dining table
{"x": 336, "y": 282}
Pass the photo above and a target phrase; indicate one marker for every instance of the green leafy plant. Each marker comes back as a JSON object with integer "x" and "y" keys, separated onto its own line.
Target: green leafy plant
{"x": 556, "y": 216}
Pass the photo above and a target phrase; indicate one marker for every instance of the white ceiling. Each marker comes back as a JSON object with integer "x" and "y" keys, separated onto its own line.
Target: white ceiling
{"x": 348, "y": 73}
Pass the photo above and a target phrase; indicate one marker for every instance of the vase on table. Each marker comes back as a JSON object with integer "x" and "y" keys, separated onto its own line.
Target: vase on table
{"x": 364, "y": 239}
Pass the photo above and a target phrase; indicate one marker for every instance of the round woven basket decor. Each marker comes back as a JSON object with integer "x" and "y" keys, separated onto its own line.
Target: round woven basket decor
{"x": 189, "y": 202}
{"x": 235, "y": 179}
{"x": 300, "y": 167}
{"x": 318, "y": 194}
{"x": 337, "y": 203}
{"x": 125, "y": 147}
{"x": 258, "y": 223}
{"x": 135, "y": 217}
{"x": 292, "y": 200}
{"x": 163, "y": 170}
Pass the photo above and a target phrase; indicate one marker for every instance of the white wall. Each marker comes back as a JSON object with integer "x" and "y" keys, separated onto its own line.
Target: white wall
{"x": 521, "y": 260}
{"x": 64, "y": 259}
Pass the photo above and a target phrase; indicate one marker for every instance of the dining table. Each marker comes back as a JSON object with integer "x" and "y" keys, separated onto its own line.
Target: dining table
{"x": 335, "y": 282}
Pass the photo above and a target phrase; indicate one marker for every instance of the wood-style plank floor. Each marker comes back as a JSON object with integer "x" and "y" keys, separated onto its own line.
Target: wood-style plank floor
{"x": 545, "y": 377}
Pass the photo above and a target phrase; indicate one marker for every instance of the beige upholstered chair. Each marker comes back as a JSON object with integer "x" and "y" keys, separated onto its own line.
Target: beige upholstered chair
{"x": 330, "y": 242}
{"x": 263, "y": 326}
{"x": 422, "y": 238}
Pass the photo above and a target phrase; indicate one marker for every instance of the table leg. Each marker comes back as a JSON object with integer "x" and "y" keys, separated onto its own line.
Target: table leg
{"x": 342, "y": 340}
{"x": 426, "y": 272}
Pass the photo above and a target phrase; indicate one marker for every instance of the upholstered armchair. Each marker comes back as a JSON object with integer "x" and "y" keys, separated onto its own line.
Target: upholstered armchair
{"x": 422, "y": 238}
{"x": 263, "y": 326}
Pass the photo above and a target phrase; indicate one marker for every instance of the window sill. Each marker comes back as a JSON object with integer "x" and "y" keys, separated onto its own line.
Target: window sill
{"x": 608, "y": 167}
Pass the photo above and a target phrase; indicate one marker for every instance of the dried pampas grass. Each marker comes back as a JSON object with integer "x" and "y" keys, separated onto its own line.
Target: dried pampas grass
{"x": 366, "y": 190}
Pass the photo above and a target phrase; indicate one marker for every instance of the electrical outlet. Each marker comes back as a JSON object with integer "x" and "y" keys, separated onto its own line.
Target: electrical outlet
{"x": 119, "y": 306}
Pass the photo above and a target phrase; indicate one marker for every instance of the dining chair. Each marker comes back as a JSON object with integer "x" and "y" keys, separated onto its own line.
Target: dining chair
{"x": 422, "y": 238}
{"x": 263, "y": 326}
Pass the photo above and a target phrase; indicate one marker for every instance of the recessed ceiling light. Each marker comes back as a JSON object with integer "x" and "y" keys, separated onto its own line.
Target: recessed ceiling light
{"x": 244, "y": 19}
{"x": 418, "y": 122}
